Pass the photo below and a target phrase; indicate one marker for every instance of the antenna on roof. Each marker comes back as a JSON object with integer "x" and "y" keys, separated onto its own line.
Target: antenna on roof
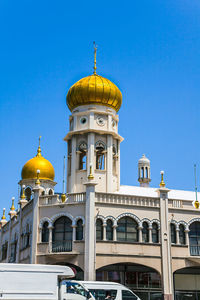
{"x": 63, "y": 175}
{"x": 196, "y": 202}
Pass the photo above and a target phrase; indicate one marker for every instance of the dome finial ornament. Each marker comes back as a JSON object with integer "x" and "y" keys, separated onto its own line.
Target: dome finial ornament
{"x": 39, "y": 148}
{"x": 196, "y": 203}
{"x": 95, "y": 58}
{"x": 162, "y": 183}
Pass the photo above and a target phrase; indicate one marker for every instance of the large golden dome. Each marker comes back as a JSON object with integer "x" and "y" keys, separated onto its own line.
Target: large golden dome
{"x": 29, "y": 170}
{"x": 94, "y": 89}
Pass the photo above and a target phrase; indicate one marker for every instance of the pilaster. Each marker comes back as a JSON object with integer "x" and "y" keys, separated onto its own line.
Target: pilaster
{"x": 90, "y": 245}
{"x": 167, "y": 276}
{"x": 34, "y": 236}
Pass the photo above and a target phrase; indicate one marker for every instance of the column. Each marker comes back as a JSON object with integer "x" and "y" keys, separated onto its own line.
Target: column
{"x": 19, "y": 237}
{"x": 187, "y": 236}
{"x": 150, "y": 234}
{"x": 167, "y": 276}
{"x": 90, "y": 241}
{"x": 90, "y": 153}
{"x": 9, "y": 242}
{"x": 50, "y": 238}
{"x": 109, "y": 169}
{"x": 40, "y": 235}
{"x": 34, "y": 235}
{"x": 118, "y": 165}
{"x": 177, "y": 236}
{"x": 104, "y": 232}
{"x": 73, "y": 166}
{"x": 74, "y": 233}
{"x": 140, "y": 234}
{"x": 115, "y": 233}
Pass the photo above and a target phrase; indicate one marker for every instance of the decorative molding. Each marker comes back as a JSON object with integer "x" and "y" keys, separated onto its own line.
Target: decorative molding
{"x": 129, "y": 215}
{"x": 102, "y": 219}
{"x": 43, "y": 220}
{"x": 157, "y": 222}
{"x": 57, "y": 216}
{"x": 147, "y": 221}
{"x": 75, "y": 220}
{"x": 112, "y": 219}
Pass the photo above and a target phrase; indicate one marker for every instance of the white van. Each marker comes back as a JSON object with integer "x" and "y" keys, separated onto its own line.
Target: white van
{"x": 39, "y": 282}
{"x": 102, "y": 290}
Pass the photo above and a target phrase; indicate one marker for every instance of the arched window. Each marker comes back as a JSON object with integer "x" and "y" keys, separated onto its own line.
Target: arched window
{"x": 109, "y": 230}
{"x": 99, "y": 230}
{"x": 79, "y": 230}
{"x": 28, "y": 193}
{"x": 82, "y": 148}
{"x": 145, "y": 232}
{"x": 146, "y": 172}
{"x": 62, "y": 235}
{"x": 50, "y": 192}
{"x": 155, "y": 238}
{"x": 127, "y": 230}
{"x": 100, "y": 155}
{"x": 182, "y": 234}
{"x": 142, "y": 172}
{"x": 173, "y": 233}
{"x": 194, "y": 236}
{"x": 45, "y": 232}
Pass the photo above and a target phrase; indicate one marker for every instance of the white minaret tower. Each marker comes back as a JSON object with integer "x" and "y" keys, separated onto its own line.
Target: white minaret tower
{"x": 144, "y": 176}
{"x": 93, "y": 139}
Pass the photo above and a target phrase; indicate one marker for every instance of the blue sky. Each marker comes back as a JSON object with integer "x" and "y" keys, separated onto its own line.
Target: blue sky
{"x": 150, "y": 49}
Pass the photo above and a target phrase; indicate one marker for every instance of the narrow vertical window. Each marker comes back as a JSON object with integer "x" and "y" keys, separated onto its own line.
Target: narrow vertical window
{"x": 109, "y": 230}
{"x": 182, "y": 234}
{"x": 173, "y": 233}
{"x": 155, "y": 237}
{"x": 99, "y": 230}
{"x": 45, "y": 232}
{"x": 100, "y": 155}
{"x": 79, "y": 230}
{"x": 145, "y": 232}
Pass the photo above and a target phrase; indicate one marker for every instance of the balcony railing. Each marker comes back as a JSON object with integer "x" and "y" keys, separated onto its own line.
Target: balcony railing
{"x": 195, "y": 250}
{"x": 62, "y": 246}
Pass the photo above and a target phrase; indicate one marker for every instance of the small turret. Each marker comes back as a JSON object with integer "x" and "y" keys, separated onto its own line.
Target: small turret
{"x": 144, "y": 176}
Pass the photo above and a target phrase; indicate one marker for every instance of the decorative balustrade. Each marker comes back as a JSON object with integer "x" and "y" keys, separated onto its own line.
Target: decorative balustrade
{"x": 76, "y": 197}
{"x": 62, "y": 246}
{"x": 56, "y": 199}
{"x": 127, "y": 200}
{"x": 194, "y": 250}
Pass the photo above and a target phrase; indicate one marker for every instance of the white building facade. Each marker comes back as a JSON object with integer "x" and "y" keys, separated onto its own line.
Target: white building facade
{"x": 145, "y": 238}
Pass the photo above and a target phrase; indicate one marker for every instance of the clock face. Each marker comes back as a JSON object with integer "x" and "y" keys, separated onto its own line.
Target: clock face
{"x": 100, "y": 121}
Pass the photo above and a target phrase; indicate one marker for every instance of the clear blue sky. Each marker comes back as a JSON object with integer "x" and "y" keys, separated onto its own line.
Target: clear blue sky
{"x": 149, "y": 48}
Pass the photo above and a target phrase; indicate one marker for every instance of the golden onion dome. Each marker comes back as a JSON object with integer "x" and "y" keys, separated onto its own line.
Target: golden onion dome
{"x": 94, "y": 89}
{"x": 29, "y": 170}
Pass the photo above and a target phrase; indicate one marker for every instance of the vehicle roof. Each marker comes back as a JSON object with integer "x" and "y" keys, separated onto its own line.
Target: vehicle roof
{"x": 60, "y": 270}
{"x": 105, "y": 284}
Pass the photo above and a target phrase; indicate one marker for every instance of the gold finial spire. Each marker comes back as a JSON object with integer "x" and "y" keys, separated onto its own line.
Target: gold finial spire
{"x": 23, "y": 192}
{"x": 13, "y": 207}
{"x": 196, "y": 202}
{"x": 162, "y": 183}
{"x": 63, "y": 196}
{"x": 38, "y": 180}
{"x": 95, "y": 58}
{"x": 39, "y": 148}
{"x": 3, "y": 217}
{"x": 90, "y": 176}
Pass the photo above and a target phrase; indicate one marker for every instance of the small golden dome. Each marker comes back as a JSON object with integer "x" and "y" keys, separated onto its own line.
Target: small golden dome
{"x": 94, "y": 89}
{"x": 29, "y": 170}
